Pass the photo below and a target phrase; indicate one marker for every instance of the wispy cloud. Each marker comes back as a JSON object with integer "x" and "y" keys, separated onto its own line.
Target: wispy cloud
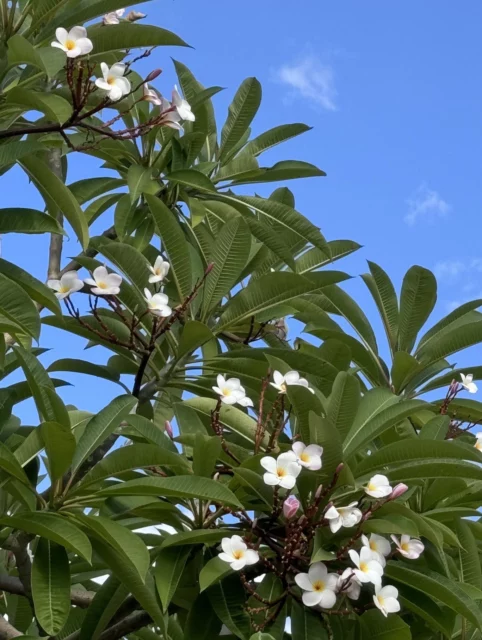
{"x": 426, "y": 203}
{"x": 463, "y": 277}
{"x": 312, "y": 79}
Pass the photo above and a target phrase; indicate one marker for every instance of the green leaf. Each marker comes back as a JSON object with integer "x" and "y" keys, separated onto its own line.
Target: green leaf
{"x": 452, "y": 319}
{"x": 177, "y": 487}
{"x": 343, "y": 402}
{"x": 174, "y": 243}
{"x": 55, "y": 107}
{"x": 362, "y": 433}
{"x": 213, "y": 571}
{"x": 229, "y": 256}
{"x": 51, "y": 586}
{"x": 435, "y": 429}
{"x": 437, "y": 587}
{"x": 375, "y": 626}
{"x": 280, "y": 214}
{"x": 471, "y": 572}
{"x": 417, "y": 300}
{"x": 194, "y": 335}
{"x": 196, "y": 536}
{"x": 404, "y": 368}
{"x": 241, "y": 112}
{"x": 439, "y": 619}
{"x": 57, "y": 196}
{"x": 72, "y": 365}
{"x": 10, "y": 464}
{"x": 124, "y": 213}
{"x": 450, "y": 341}
{"x": 16, "y": 306}
{"x": 135, "y": 456}
{"x": 127, "y": 544}
{"x": 315, "y": 258}
{"x": 385, "y": 297}
{"x": 103, "y": 607}
{"x": 101, "y": 426}
{"x": 202, "y": 622}
{"x": 207, "y": 450}
{"x": 254, "y": 485}
{"x": 191, "y": 178}
{"x": 284, "y": 170}
{"x": 28, "y": 221}
{"x": 60, "y": 447}
{"x": 53, "y": 527}
{"x": 130, "y": 36}
{"x": 267, "y": 292}
{"x": 170, "y": 565}
{"x": 306, "y": 625}
{"x": 228, "y": 599}
{"x": 139, "y": 181}
{"x": 274, "y": 136}
{"x": 12, "y": 152}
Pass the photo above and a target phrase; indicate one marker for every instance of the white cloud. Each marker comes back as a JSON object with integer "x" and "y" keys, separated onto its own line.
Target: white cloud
{"x": 312, "y": 79}
{"x": 450, "y": 270}
{"x": 426, "y": 203}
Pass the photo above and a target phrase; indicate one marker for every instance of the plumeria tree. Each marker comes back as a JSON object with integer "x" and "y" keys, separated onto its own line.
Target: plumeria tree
{"x": 243, "y": 484}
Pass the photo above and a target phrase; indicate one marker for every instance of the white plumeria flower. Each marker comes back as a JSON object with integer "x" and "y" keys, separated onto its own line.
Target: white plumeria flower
{"x": 104, "y": 283}
{"x": 236, "y": 552}
{"x": 478, "y": 443}
{"x": 308, "y": 456}
{"x": 410, "y": 548}
{"x": 113, "y": 17}
{"x": 368, "y": 569}
{"x": 245, "y": 402}
{"x": 467, "y": 383}
{"x": 386, "y": 599}
{"x": 378, "y": 487}
{"x": 113, "y": 81}
{"x": 183, "y": 107}
{"x": 159, "y": 270}
{"x": 158, "y": 304}
{"x": 151, "y": 96}
{"x": 68, "y": 283}
{"x": 318, "y": 586}
{"x": 282, "y": 382}
{"x": 229, "y": 389}
{"x": 378, "y": 545}
{"x": 351, "y": 585}
{"x": 281, "y": 472}
{"x": 74, "y": 42}
{"x": 170, "y": 115}
{"x": 339, "y": 517}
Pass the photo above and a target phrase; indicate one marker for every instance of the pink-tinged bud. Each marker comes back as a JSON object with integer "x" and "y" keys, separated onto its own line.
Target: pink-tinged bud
{"x": 290, "y": 507}
{"x": 398, "y": 491}
{"x": 132, "y": 16}
{"x": 318, "y": 491}
{"x": 339, "y": 468}
{"x": 153, "y": 75}
{"x": 168, "y": 428}
{"x": 209, "y": 268}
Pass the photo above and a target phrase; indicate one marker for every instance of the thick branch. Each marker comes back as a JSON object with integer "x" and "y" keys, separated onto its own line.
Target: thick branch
{"x": 18, "y": 543}
{"x": 131, "y": 623}
{"x": 56, "y": 239}
{"x": 7, "y": 631}
{"x": 78, "y": 597}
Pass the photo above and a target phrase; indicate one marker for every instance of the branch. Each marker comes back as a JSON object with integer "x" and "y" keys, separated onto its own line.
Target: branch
{"x": 18, "y": 543}
{"x": 131, "y": 623}
{"x": 78, "y": 597}
{"x": 7, "y": 631}
{"x": 54, "y": 161}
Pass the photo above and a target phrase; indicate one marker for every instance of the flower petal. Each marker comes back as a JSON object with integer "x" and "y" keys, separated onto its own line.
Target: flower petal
{"x": 314, "y": 450}
{"x": 269, "y": 463}
{"x": 328, "y": 599}
{"x": 311, "y": 598}
{"x": 278, "y": 378}
{"x": 317, "y": 571}
{"x": 85, "y": 45}
{"x": 77, "y": 32}
{"x": 298, "y": 448}
{"x": 303, "y": 581}
{"x": 251, "y": 556}
{"x": 271, "y": 479}
{"x": 287, "y": 482}
{"x": 117, "y": 70}
{"x": 292, "y": 377}
{"x": 62, "y": 35}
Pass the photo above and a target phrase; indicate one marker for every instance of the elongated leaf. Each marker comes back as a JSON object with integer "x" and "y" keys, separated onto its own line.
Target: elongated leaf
{"x": 130, "y": 36}
{"x": 435, "y": 429}
{"x": 284, "y": 170}
{"x": 372, "y": 403}
{"x": 438, "y": 587}
{"x": 191, "y": 178}
{"x": 450, "y": 341}
{"x": 202, "y": 622}
{"x": 376, "y": 627}
{"x": 27, "y": 221}
{"x": 305, "y": 624}
{"x": 387, "y": 418}
{"x": 101, "y": 426}
{"x": 196, "y": 536}
{"x": 449, "y": 321}
{"x": 133, "y": 551}
{"x": 102, "y": 608}
{"x": 417, "y": 300}
{"x": 60, "y": 447}
{"x": 170, "y": 564}
{"x": 227, "y": 599}
{"x": 471, "y": 572}
{"x": 136, "y": 456}
{"x": 269, "y": 291}
{"x": 241, "y": 112}
{"x": 53, "y": 527}
{"x": 343, "y": 402}
{"x": 55, "y": 107}
{"x": 275, "y": 136}
{"x": 254, "y": 485}
{"x": 194, "y": 335}
{"x": 51, "y": 586}
{"x": 230, "y": 255}
{"x": 213, "y": 571}
{"x": 17, "y": 307}
{"x": 139, "y": 181}
{"x": 57, "y": 196}
{"x": 174, "y": 243}
{"x": 404, "y": 368}
{"x": 177, "y": 487}
{"x": 383, "y": 292}
{"x": 206, "y": 453}
{"x": 438, "y": 618}
{"x": 81, "y": 366}
{"x": 10, "y": 464}
{"x": 315, "y": 258}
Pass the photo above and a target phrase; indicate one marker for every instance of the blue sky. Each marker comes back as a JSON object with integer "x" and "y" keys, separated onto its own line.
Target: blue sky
{"x": 393, "y": 93}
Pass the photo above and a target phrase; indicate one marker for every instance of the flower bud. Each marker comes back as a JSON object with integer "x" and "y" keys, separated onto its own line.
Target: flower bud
{"x": 318, "y": 492}
{"x": 290, "y": 507}
{"x": 339, "y": 468}
{"x": 168, "y": 428}
{"x": 132, "y": 16}
{"x": 153, "y": 75}
{"x": 398, "y": 491}
{"x": 209, "y": 268}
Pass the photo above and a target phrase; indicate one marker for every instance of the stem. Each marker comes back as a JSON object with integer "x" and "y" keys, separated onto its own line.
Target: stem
{"x": 7, "y": 631}
{"x": 54, "y": 161}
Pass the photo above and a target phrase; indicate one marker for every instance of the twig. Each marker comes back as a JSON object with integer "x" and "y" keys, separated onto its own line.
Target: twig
{"x": 54, "y": 161}
{"x": 7, "y": 631}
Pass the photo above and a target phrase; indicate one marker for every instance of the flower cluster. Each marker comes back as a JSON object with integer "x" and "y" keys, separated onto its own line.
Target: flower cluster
{"x": 103, "y": 283}
{"x": 231, "y": 391}
{"x": 75, "y": 43}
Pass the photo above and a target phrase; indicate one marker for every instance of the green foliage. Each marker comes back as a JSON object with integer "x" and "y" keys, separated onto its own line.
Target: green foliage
{"x": 79, "y": 490}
